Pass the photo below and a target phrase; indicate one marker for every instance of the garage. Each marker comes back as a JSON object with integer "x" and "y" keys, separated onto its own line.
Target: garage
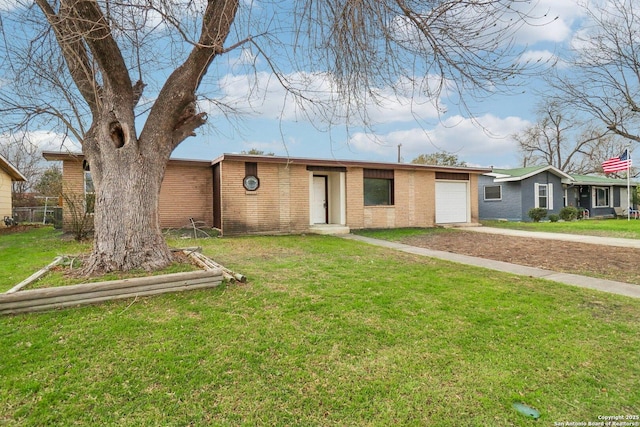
{"x": 452, "y": 202}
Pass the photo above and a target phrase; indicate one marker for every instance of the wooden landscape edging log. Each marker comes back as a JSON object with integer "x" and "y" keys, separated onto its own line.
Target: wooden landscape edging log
{"x": 89, "y": 293}
{"x": 35, "y": 276}
{"x": 207, "y": 263}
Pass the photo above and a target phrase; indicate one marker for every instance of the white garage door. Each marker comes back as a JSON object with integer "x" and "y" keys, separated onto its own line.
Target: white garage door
{"x": 452, "y": 202}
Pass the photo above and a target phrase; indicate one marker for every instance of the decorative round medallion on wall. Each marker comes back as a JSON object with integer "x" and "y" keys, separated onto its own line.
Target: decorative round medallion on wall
{"x": 251, "y": 183}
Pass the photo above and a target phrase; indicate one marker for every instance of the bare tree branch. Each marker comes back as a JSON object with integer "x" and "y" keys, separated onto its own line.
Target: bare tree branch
{"x": 603, "y": 78}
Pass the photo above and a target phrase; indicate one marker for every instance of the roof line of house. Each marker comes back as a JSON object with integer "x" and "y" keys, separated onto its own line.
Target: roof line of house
{"x": 344, "y": 163}
{"x": 61, "y": 155}
{"x": 504, "y": 175}
{"x": 13, "y": 172}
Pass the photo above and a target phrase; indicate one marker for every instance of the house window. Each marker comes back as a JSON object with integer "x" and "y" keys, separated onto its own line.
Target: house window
{"x": 601, "y": 197}
{"x": 493, "y": 192}
{"x": 378, "y": 187}
{"x": 543, "y": 196}
{"x": 89, "y": 193}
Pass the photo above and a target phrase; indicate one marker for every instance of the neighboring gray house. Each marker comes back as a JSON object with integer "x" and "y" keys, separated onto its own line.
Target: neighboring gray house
{"x": 600, "y": 195}
{"x": 510, "y": 193}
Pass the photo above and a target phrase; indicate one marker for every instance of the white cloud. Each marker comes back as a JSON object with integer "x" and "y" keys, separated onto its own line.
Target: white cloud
{"x": 538, "y": 57}
{"x": 551, "y": 21}
{"x": 263, "y": 95}
{"x": 486, "y": 143}
{"x": 43, "y": 140}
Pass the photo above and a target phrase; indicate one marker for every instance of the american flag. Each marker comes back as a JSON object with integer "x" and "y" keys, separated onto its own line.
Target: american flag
{"x": 616, "y": 164}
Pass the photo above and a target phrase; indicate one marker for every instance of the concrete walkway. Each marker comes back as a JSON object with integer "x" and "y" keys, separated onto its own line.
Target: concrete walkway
{"x": 578, "y": 238}
{"x": 610, "y": 286}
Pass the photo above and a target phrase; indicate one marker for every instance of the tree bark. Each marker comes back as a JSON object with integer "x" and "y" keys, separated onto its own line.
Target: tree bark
{"x": 126, "y": 220}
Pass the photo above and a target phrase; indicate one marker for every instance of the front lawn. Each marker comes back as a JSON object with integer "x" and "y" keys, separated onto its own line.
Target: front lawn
{"x": 22, "y": 254}
{"x": 326, "y": 332}
{"x": 597, "y": 227}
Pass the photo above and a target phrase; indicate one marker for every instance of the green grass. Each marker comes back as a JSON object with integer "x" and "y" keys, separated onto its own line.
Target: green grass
{"x": 596, "y": 227}
{"x": 327, "y": 332}
{"x": 22, "y": 254}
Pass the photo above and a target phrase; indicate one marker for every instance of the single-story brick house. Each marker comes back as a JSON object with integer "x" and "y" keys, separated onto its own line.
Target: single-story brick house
{"x": 8, "y": 174}
{"x": 510, "y": 193}
{"x": 249, "y": 194}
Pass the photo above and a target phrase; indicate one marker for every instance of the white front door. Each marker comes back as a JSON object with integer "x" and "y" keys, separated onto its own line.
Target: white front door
{"x": 624, "y": 198}
{"x": 319, "y": 203}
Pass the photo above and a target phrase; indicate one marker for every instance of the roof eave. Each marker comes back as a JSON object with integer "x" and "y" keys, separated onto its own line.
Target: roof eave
{"x": 345, "y": 163}
{"x": 54, "y": 156}
{"x": 11, "y": 170}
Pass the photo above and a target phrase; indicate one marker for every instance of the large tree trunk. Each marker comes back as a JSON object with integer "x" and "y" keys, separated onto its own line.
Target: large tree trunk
{"x": 128, "y": 169}
{"x": 126, "y": 220}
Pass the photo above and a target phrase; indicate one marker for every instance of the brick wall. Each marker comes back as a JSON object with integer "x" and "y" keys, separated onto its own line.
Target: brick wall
{"x": 73, "y": 188}
{"x": 414, "y": 201}
{"x": 473, "y": 196}
{"x": 355, "y": 199}
{"x": 186, "y": 192}
{"x": 279, "y": 205}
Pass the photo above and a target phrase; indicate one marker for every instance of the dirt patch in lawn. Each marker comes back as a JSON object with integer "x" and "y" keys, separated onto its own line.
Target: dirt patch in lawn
{"x": 608, "y": 262}
{"x": 18, "y": 228}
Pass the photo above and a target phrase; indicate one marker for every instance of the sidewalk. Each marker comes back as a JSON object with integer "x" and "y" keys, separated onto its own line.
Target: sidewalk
{"x": 610, "y": 286}
{"x": 594, "y": 240}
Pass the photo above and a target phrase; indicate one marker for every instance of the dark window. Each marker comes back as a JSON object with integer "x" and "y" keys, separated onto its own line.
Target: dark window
{"x": 493, "y": 192}
{"x": 452, "y": 176}
{"x": 378, "y": 187}
{"x": 89, "y": 193}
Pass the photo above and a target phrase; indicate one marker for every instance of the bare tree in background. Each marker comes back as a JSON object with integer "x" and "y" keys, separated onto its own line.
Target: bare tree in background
{"x": 560, "y": 139}
{"x": 25, "y": 156}
{"x": 83, "y": 65}
{"x": 603, "y": 74}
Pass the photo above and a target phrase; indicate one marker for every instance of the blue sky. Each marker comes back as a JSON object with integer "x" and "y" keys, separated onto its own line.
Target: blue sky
{"x": 483, "y": 140}
{"x": 273, "y": 123}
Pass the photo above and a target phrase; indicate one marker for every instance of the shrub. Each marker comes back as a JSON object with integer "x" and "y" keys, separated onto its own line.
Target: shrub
{"x": 80, "y": 208}
{"x": 554, "y": 217}
{"x": 568, "y": 213}
{"x": 536, "y": 214}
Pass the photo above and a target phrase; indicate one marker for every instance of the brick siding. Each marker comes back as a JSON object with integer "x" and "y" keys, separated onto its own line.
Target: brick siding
{"x": 279, "y": 205}
{"x": 186, "y": 192}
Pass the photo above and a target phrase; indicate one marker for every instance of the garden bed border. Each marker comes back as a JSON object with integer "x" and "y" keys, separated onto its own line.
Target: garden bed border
{"x": 44, "y": 299}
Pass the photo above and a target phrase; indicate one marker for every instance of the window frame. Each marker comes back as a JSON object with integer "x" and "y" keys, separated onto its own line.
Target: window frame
{"x": 89, "y": 193}
{"x": 378, "y": 176}
{"x": 484, "y": 193}
{"x": 548, "y": 197}
{"x": 608, "y": 194}
{"x": 540, "y": 197}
